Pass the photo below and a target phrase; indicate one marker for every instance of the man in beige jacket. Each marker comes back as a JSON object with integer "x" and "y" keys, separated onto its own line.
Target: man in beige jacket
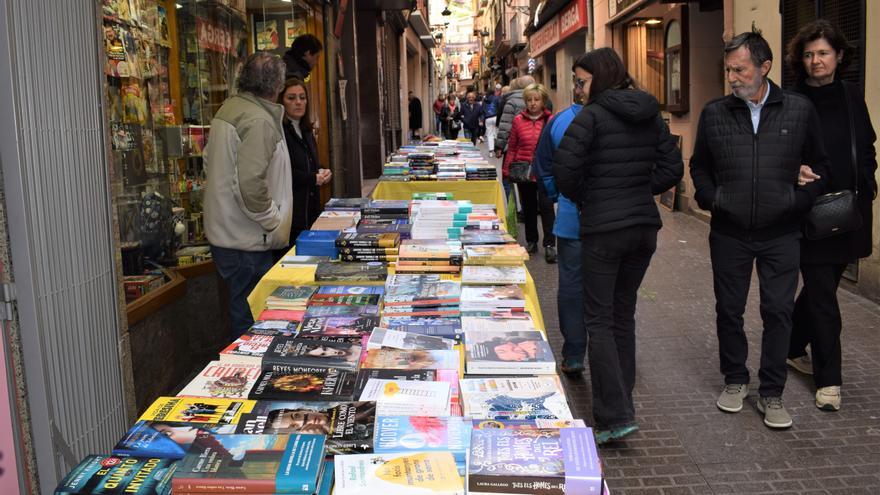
{"x": 248, "y": 196}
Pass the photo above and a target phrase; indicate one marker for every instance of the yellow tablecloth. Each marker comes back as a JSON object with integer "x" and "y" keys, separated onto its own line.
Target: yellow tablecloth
{"x": 477, "y": 191}
{"x": 280, "y": 275}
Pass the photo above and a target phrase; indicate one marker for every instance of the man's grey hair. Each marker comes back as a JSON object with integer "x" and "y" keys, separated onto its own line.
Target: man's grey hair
{"x": 263, "y": 75}
{"x": 757, "y": 46}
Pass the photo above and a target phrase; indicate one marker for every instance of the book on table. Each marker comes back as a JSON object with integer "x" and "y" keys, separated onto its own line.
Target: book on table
{"x": 274, "y": 328}
{"x": 290, "y": 297}
{"x": 349, "y": 426}
{"x": 209, "y": 410}
{"x": 309, "y": 352}
{"x": 224, "y": 379}
{"x": 407, "y": 397}
{"x": 350, "y": 328}
{"x": 304, "y": 383}
{"x": 492, "y": 297}
{"x": 530, "y": 424}
{"x": 514, "y": 398}
{"x": 517, "y": 352}
{"x": 247, "y": 349}
{"x": 165, "y": 439}
{"x": 421, "y": 290}
{"x": 395, "y": 339}
{"x": 552, "y": 461}
{"x": 279, "y": 464}
{"x": 334, "y": 290}
{"x": 425, "y": 433}
{"x": 411, "y": 359}
{"x": 405, "y": 473}
{"x": 493, "y": 275}
{"x": 361, "y": 271}
{"x": 112, "y": 475}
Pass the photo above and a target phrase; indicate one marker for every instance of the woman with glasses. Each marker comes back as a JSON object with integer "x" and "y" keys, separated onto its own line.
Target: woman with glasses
{"x": 615, "y": 156}
{"x": 817, "y": 54}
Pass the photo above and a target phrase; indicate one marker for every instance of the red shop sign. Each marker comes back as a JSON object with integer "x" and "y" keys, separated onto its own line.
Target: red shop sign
{"x": 570, "y": 20}
{"x": 212, "y": 36}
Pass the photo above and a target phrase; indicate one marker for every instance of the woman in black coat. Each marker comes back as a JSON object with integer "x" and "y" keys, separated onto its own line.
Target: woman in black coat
{"x": 817, "y": 54}
{"x": 308, "y": 175}
{"x": 450, "y": 118}
{"x": 615, "y": 156}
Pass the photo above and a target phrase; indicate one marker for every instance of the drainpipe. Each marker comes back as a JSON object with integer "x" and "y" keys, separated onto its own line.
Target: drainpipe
{"x": 591, "y": 29}
{"x": 728, "y": 34}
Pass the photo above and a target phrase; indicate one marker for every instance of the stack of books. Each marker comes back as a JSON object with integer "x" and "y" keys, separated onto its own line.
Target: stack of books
{"x": 490, "y": 299}
{"x": 357, "y": 246}
{"x": 482, "y": 237}
{"x": 450, "y": 219}
{"x": 389, "y": 209}
{"x": 336, "y": 220}
{"x": 421, "y": 295}
{"x": 422, "y": 166}
{"x": 515, "y": 352}
{"x": 480, "y": 171}
{"x": 345, "y": 204}
{"x": 450, "y": 169}
{"x": 290, "y": 297}
{"x": 396, "y": 168}
{"x": 429, "y": 256}
{"x": 354, "y": 272}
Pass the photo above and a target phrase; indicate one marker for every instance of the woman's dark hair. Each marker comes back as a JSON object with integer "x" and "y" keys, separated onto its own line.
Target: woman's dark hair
{"x": 305, "y": 43}
{"x": 811, "y": 32}
{"x": 304, "y": 123}
{"x": 607, "y": 70}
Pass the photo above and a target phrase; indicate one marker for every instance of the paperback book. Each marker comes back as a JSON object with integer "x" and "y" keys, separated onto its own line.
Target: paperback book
{"x": 280, "y": 464}
{"x": 364, "y": 375}
{"x": 408, "y": 398}
{"x": 304, "y": 383}
{"x": 508, "y": 353}
{"x": 425, "y": 433}
{"x": 555, "y": 461}
{"x": 356, "y": 239}
{"x": 366, "y": 271}
{"x": 421, "y": 290}
{"x": 405, "y": 473}
{"x": 507, "y": 398}
{"x": 274, "y": 328}
{"x": 292, "y": 351}
{"x": 341, "y": 310}
{"x": 197, "y": 410}
{"x": 111, "y": 475}
{"x": 352, "y": 327}
{"x": 349, "y": 426}
{"x": 226, "y": 380}
{"x": 334, "y": 290}
{"x": 165, "y": 439}
{"x": 528, "y": 423}
{"x": 247, "y": 349}
{"x": 395, "y": 339}
{"x": 290, "y": 297}
{"x": 296, "y": 261}
{"x": 416, "y": 359}
{"x": 493, "y": 275}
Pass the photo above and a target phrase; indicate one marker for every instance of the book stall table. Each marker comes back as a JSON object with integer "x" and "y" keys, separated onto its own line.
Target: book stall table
{"x": 281, "y": 275}
{"x": 476, "y": 191}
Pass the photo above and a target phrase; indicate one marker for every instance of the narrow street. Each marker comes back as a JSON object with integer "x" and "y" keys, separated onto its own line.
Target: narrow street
{"x": 686, "y": 445}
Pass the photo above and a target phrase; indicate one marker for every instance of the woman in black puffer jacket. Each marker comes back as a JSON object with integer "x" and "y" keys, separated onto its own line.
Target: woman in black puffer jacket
{"x": 615, "y": 156}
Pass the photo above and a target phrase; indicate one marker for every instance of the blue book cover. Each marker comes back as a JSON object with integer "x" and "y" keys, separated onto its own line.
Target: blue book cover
{"x": 350, "y": 290}
{"x": 164, "y": 439}
{"x": 417, "y": 433}
{"x": 283, "y": 464}
{"x": 111, "y": 475}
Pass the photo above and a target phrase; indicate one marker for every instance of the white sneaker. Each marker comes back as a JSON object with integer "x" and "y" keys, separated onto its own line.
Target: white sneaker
{"x": 803, "y": 364}
{"x": 828, "y": 398}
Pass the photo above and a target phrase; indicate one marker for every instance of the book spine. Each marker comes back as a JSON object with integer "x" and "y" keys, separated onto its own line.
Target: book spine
{"x": 533, "y": 485}
{"x": 181, "y": 484}
{"x": 367, "y": 257}
{"x": 384, "y": 211}
{"x": 349, "y": 243}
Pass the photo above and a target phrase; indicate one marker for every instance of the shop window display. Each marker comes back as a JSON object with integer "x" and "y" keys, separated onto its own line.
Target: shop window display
{"x": 169, "y": 67}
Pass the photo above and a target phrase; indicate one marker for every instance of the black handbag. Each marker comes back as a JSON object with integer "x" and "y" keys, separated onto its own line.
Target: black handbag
{"x": 520, "y": 172}
{"x": 837, "y": 212}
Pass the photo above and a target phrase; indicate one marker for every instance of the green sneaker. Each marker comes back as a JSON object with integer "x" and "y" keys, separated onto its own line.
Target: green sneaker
{"x": 775, "y": 415}
{"x": 731, "y": 398}
{"x": 605, "y": 436}
{"x": 572, "y": 366}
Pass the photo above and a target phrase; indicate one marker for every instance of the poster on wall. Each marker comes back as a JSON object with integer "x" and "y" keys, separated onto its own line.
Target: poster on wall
{"x": 292, "y": 29}
{"x": 163, "y": 36}
{"x": 267, "y": 35}
{"x": 134, "y": 103}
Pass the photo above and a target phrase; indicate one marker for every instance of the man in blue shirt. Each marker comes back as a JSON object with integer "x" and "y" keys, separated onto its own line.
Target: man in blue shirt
{"x": 569, "y": 297}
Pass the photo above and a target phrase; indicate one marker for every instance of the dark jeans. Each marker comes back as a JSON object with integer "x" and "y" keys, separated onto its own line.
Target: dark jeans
{"x": 569, "y": 300}
{"x": 613, "y": 266}
{"x": 777, "y": 263}
{"x": 530, "y": 198}
{"x": 241, "y": 270}
{"x": 816, "y": 321}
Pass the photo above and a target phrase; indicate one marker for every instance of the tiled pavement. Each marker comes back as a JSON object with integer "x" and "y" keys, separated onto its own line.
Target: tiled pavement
{"x": 686, "y": 445}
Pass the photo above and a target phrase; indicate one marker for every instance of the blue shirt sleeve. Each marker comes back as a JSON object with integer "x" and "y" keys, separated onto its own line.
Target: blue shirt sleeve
{"x": 542, "y": 162}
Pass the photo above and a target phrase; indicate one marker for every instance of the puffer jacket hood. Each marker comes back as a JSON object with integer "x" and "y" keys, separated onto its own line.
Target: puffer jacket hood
{"x": 629, "y": 105}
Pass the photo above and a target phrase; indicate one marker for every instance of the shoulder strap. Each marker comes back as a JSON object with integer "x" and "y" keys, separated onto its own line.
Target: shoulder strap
{"x": 852, "y": 137}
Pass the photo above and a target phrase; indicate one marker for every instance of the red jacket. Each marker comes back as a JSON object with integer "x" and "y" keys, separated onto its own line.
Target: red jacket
{"x": 438, "y": 106}
{"x": 524, "y": 134}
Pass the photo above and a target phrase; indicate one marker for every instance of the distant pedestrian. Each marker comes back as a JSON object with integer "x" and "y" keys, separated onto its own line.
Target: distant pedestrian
{"x": 248, "y": 195}
{"x": 302, "y": 56}
{"x": 471, "y": 115}
{"x": 438, "y": 109}
{"x": 450, "y": 116}
{"x": 524, "y": 134}
{"x": 816, "y": 54}
{"x": 748, "y": 151}
{"x": 490, "y": 116}
{"x": 415, "y": 117}
{"x": 616, "y": 154}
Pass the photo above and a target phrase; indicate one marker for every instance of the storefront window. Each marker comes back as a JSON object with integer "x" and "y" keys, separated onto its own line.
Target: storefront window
{"x": 169, "y": 67}
{"x": 677, "y": 83}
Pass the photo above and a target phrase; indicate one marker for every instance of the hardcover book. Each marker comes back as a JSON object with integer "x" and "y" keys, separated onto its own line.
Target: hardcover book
{"x": 227, "y": 380}
{"x": 410, "y": 473}
{"x": 308, "y": 352}
{"x": 349, "y": 426}
{"x": 554, "y": 461}
{"x": 111, "y": 475}
{"x": 538, "y": 397}
{"x": 304, "y": 383}
{"x": 508, "y": 353}
{"x": 165, "y": 439}
{"x": 280, "y": 464}
{"x": 197, "y": 410}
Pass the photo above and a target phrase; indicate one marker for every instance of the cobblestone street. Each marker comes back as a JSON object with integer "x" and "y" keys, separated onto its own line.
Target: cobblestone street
{"x": 686, "y": 445}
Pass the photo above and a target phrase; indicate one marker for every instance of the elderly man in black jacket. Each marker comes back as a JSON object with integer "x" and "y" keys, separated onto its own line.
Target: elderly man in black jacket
{"x": 747, "y": 156}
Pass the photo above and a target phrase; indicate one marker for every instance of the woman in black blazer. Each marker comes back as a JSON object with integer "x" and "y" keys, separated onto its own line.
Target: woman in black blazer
{"x": 308, "y": 175}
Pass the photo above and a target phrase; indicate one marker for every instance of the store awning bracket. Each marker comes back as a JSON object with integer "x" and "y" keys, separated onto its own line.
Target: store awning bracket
{"x": 7, "y": 301}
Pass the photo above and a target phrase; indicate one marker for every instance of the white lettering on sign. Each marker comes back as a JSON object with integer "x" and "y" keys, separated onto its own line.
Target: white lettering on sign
{"x": 573, "y": 18}
{"x": 213, "y": 37}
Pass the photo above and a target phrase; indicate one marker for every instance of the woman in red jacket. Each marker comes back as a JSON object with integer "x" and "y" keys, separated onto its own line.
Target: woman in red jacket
{"x": 524, "y": 134}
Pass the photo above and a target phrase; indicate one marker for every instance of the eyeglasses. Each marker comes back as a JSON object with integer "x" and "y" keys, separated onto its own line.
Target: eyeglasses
{"x": 580, "y": 83}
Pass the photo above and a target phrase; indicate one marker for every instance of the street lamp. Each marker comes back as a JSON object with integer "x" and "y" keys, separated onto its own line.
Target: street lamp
{"x": 446, "y": 11}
